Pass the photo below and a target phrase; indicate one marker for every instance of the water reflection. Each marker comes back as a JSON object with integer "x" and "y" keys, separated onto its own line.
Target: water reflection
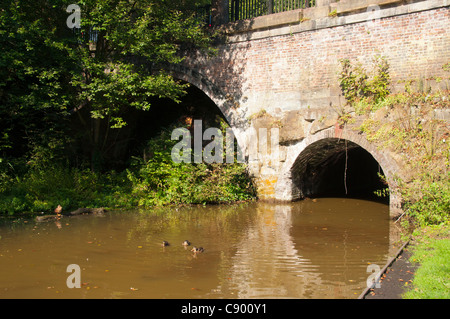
{"x": 266, "y": 263}
{"x": 308, "y": 249}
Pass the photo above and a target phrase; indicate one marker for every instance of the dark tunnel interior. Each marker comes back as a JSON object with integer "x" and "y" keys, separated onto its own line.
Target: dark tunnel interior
{"x": 338, "y": 168}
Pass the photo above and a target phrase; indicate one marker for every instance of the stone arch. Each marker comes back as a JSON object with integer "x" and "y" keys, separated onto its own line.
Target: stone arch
{"x": 224, "y": 101}
{"x": 321, "y": 146}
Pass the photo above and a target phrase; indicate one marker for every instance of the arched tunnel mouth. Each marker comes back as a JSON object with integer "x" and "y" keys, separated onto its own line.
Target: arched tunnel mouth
{"x": 131, "y": 141}
{"x": 334, "y": 167}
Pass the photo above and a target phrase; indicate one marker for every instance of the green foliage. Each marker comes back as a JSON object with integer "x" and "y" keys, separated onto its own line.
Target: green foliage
{"x": 51, "y": 75}
{"x": 160, "y": 181}
{"x": 432, "y": 251}
{"x": 357, "y": 85}
{"x": 405, "y": 123}
{"x": 35, "y": 66}
{"x": 424, "y": 149}
{"x": 41, "y": 190}
{"x": 53, "y": 78}
{"x": 156, "y": 182}
{"x": 152, "y": 32}
{"x": 433, "y": 206}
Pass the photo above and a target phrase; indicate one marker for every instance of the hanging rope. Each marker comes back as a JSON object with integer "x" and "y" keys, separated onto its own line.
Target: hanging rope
{"x": 345, "y": 170}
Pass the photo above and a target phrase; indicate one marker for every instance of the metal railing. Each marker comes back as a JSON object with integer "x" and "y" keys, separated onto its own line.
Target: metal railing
{"x": 247, "y": 9}
{"x": 204, "y": 14}
{"x": 91, "y": 35}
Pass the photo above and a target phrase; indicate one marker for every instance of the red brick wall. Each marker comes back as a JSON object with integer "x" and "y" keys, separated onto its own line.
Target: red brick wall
{"x": 301, "y": 69}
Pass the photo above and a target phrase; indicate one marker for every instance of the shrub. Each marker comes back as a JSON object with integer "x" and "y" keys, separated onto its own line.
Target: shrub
{"x": 357, "y": 85}
{"x": 41, "y": 190}
{"x": 160, "y": 181}
{"x": 433, "y": 207}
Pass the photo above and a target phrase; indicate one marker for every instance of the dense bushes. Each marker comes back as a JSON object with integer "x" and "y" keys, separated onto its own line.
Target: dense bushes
{"x": 154, "y": 182}
{"x": 161, "y": 181}
{"x": 63, "y": 109}
{"x": 433, "y": 207}
{"x": 41, "y": 190}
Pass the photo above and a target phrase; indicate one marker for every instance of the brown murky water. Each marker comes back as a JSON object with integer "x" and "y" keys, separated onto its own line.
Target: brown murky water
{"x": 307, "y": 249}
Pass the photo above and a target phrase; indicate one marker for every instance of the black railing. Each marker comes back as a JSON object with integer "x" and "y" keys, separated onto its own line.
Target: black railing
{"x": 91, "y": 35}
{"x": 204, "y": 14}
{"x": 247, "y": 9}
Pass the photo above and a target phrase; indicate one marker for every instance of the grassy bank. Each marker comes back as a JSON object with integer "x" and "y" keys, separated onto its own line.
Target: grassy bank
{"x": 431, "y": 250}
{"x": 43, "y": 189}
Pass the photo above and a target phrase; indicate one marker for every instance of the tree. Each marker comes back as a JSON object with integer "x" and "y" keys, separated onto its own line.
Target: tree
{"x": 35, "y": 66}
{"x": 96, "y": 73}
{"x": 133, "y": 39}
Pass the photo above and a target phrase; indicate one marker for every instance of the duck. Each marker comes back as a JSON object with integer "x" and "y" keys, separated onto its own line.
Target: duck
{"x": 165, "y": 243}
{"x": 186, "y": 243}
{"x": 58, "y": 210}
{"x": 197, "y": 250}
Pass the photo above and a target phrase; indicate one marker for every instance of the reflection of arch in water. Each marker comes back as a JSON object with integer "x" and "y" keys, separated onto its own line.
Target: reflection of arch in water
{"x": 294, "y": 250}
{"x": 341, "y": 237}
{"x": 266, "y": 263}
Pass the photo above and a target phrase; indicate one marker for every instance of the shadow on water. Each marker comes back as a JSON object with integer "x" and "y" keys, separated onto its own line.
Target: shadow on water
{"x": 307, "y": 249}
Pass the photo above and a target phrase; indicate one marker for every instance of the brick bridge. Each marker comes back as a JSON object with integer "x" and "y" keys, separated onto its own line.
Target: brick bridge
{"x": 281, "y": 70}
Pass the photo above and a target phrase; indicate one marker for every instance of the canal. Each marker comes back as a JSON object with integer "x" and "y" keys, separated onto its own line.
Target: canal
{"x": 317, "y": 248}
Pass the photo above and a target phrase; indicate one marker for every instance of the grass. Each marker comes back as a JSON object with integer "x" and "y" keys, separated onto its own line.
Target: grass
{"x": 432, "y": 252}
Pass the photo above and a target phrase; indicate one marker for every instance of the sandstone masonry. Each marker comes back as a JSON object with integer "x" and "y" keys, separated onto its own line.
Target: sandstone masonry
{"x": 282, "y": 71}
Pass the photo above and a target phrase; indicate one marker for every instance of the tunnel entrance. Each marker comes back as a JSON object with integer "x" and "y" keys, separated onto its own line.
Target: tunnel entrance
{"x": 334, "y": 167}
{"x": 163, "y": 113}
{"x": 121, "y": 145}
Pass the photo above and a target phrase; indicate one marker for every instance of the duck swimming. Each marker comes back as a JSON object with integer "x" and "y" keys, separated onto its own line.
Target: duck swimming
{"x": 197, "y": 250}
{"x": 165, "y": 243}
{"x": 186, "y": 243}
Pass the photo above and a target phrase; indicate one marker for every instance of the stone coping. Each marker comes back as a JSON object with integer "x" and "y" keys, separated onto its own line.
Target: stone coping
{"x": 326, "y": 16}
